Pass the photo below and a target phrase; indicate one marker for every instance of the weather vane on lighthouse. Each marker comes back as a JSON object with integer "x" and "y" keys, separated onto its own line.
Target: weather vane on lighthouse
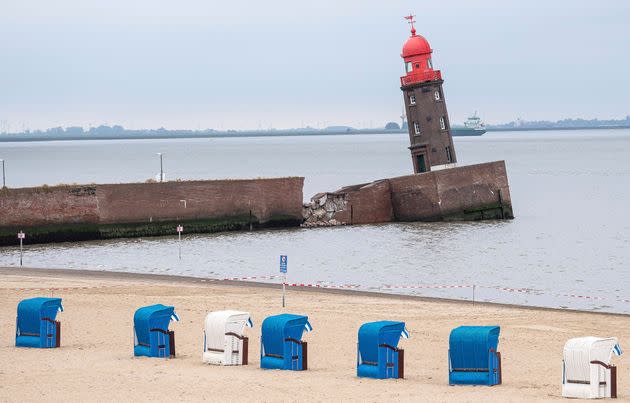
{"x": 411, "y": 21}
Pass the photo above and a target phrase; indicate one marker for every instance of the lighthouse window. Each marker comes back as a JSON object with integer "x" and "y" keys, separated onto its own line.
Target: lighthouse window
{"x": 412, "y": 99}
{"x": 416, "y": 127}
{"x": 437, "y": 95}
{"x": 449, "y": 158}
{"x": 442, "y": 123}
{"x": 429, "y": 63}
{"x": 408, "y": 67}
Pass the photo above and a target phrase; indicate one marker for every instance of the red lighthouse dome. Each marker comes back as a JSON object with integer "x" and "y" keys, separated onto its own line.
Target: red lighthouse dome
{"x": 416, "y": 45}
{"x": 416, "y": 53}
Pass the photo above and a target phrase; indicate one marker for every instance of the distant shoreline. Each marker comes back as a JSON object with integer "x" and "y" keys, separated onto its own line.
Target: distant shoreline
{"x": 266, "y": 133}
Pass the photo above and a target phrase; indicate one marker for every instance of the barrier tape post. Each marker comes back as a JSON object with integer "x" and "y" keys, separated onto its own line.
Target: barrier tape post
{"x": 473, "y": 291}
{"x": 21, "y": 237}
{"x": 284, "y": 290}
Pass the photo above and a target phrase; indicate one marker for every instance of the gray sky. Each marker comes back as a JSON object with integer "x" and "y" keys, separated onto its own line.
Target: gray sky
{"x": 219, "y": 64}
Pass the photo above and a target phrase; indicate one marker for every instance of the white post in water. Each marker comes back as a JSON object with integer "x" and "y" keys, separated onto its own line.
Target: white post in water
{"x": 21, "y": 236}
{"x": 161, "y": 166}
{"x": 283, "y": 270}
{"x": 4, "y": 180}
{"x": 179, "y": 235}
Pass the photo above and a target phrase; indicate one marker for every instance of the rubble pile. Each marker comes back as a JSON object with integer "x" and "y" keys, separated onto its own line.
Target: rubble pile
{"x": 320, "y": 212}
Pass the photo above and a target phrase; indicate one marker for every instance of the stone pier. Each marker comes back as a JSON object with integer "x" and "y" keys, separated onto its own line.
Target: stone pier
{"x": 472, "y": 192}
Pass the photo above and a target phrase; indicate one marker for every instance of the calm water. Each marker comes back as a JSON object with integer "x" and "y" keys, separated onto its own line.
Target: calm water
{"x": 570, "y": 191}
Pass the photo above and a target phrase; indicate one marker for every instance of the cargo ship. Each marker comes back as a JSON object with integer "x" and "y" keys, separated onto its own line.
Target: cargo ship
{"x": 473, "y": 126}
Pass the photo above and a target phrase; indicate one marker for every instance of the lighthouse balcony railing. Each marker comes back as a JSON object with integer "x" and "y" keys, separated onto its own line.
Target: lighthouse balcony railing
{"x": 420, "y": 77}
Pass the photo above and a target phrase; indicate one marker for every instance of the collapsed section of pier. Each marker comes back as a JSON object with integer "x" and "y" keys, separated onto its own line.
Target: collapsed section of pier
{"x": 473, "y": 192}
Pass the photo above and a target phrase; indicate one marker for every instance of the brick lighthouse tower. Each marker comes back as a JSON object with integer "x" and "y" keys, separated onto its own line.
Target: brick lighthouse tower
{"x": 429, "y": 128}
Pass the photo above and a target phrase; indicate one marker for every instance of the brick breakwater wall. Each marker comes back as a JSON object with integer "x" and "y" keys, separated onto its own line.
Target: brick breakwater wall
{"x": 472, "y": 192}
{"x": 82, "y": 212}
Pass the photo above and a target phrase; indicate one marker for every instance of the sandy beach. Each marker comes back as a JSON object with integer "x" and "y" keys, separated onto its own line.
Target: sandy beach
{"x": 95, "y": 362}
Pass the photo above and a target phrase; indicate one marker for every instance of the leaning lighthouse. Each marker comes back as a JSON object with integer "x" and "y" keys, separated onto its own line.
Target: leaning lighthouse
{"x": 431, "y": 143}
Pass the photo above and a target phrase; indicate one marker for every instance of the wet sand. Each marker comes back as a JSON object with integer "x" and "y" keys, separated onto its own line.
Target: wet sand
{"x": 96, "y": 363}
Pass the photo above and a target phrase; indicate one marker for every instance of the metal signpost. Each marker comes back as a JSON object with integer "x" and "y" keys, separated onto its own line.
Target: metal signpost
{"x": 21, "y": 236}
{"x": 283, "y": 270}
{"x": 180, "y": 229}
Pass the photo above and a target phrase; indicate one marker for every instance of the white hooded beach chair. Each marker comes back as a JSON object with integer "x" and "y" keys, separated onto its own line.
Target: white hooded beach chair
{"x": 224, "y": 342}
{"x": 587, "y": 372}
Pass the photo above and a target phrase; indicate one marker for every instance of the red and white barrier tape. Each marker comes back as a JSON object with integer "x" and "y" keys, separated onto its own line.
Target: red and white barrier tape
{"x": 320, "y": 284}
{"x": 508, "y": 289}
{"x": 499, "y": 288}
{"x": 329, "y": 285}
{"x": 250, "y": 278}
{"x": 58, "y": 288}
{"x": 418, "y": 286}
{"x": 325, "y": 284}
{"x": 586, "y": 297}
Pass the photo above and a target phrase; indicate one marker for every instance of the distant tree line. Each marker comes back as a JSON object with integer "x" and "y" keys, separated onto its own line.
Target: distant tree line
{"x": 562, "y": 124}
{"x": 117, "y": 131}
{"x": 107, "y": 131}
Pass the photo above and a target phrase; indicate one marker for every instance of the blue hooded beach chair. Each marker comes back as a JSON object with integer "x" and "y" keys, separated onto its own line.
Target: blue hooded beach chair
{"x": 151, "y": 335}
{"x": 378, "y": 355}
{"x": 473, "y": 358}
{"x": 36, "y": 325}
{"x": 281, "y": 345}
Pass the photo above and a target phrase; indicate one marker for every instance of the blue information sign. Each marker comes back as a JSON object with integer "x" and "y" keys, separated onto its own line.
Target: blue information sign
{"x": 283, "y": 263}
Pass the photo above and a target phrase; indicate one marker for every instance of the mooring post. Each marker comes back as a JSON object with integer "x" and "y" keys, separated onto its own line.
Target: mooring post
{"x": 180, "y": 229}
{"x": 501, "y": 204}
{"x": 4, "y": 180}
{"x": 250, "y": 220}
